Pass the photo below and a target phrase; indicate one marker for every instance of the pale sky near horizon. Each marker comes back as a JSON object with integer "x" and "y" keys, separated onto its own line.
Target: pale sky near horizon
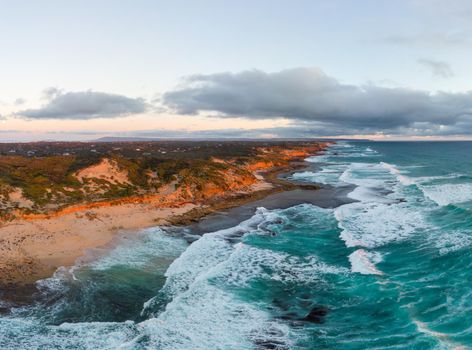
{"x": 79, "y": 70}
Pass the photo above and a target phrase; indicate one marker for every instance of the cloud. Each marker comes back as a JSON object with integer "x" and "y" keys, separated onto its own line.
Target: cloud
{"x": 438, "y": 68}
{"x": 19, "y": 101}
{"x": 320, "y": 102}
{"x": 85, "y": 105}
{"x": 51, "y": 92}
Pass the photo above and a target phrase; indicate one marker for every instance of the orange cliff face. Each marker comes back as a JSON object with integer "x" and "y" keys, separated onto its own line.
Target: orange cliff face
{"x": 232, "y": 179}
{"x": 277, "y": 156}
{"x": 260, "y": 165}
{"x": 303, "y": 152}
{"x": 229, "y": 181}
{"x": 183, "y": 194}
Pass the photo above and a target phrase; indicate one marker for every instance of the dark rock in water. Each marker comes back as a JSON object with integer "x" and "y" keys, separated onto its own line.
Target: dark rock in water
{"x": 270, "y": 340}
{"x": 305, "y": 296}
{"x": 316, "y": 315}
{"x": 266, "y": 230}
{"x": 278, "y": 221}
{"x": 274, "y": 332}
{"x": 290, "y": 316}
{"x": 268, "y": 345}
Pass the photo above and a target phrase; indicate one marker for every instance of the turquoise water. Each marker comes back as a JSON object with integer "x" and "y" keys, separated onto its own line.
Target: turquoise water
{"x": 391, "y": 270}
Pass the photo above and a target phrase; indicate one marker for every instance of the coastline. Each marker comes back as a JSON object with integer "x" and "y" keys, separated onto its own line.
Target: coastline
{"x": 33, "y": 249}
{"x": 324, "y": 197}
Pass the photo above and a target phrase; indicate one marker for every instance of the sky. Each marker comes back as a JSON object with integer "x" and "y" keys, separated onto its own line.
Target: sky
{"x": 379, "y": 69}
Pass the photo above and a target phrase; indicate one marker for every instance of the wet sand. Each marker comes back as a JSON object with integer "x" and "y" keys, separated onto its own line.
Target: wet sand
{"x": 325, "y": 197}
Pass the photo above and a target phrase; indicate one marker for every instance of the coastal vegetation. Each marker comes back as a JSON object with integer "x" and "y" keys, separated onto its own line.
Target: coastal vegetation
{"x": 39, "y": 178}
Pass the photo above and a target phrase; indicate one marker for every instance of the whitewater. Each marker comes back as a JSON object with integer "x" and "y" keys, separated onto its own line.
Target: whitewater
{"x": 389, "y": 269}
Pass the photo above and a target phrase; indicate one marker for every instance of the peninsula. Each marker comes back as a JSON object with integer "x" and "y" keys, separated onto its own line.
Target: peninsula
{"x": 58, "y": 199}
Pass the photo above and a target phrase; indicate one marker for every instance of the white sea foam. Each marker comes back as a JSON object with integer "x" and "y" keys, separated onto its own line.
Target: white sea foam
{"x": 449, "y": 242}
{"x": 203, "y": 314}
{"x": 240, "y": 263}
{"x": 427, "y": 179}
{"x": 373, "y": 182}
{"x": 207, "y": 317}
{"x": 248, "y": 263}
{"x": 18, "y": 334}
{"x": 304, "y": 174}
{"x": 328, "y": 175}
{"x": 375, "y": 224}
{"x": 317, "y": 159}
{"x": 339, "y": 150}
{"x": 207, "y": 253}
{"x": 382, "y": 214}
{"x": 355, "y": 155}
{"x": 57, "y": 282}
{"x": 363, "y": 262}
{"x": 444, "y": 338}
{"x": 378, "y": 218}
{"x": 138, "y": 251}
{"x": 366, "y": 194}
{"x": 371, "y": 175}
{"x": 201, "y": 256}
{"x": 403, "y": 179}
{"x": 446, "y": 194}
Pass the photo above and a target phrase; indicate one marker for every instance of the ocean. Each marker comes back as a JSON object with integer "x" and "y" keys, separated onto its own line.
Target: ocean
{"x": 390, "y": 268}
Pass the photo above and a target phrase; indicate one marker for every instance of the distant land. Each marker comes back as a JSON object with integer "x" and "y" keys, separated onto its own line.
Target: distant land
{"x": 138, "y": 139}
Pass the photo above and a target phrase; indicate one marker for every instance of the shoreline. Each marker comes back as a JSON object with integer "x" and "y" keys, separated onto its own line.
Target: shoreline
{"x": 33, "y": 249}
{"x": 323, "y": 196}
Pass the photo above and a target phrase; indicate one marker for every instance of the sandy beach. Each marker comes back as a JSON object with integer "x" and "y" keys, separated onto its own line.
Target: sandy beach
{"x": 33, "y": 249}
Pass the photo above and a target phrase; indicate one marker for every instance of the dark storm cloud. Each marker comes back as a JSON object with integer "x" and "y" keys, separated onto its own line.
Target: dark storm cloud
{"x": 85, "y": 105}
{"x": 309, "y": 96}
{"x": 438, "y": 68}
